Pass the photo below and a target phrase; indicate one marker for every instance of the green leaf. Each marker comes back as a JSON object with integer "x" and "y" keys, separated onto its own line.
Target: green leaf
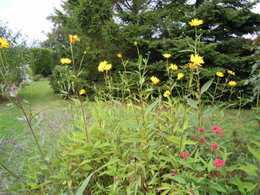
{"x": 256, "y": 143}
{"x": 83, "y": 186}
{"x": 192, "y": 103}
{"x": 206, "y": 86}
{"x": 87, "y": 167}
{"x": 254, "y": 152}
{"x": 190, "y": 142}
{"x": 250, "y": 169}
{"x": 150, "y": 107}
{"x": 77, "y": 152}
{"x": 218, "y": 187}
{"x": 179, "y": 179}
{"x": 244, "y": 185}
{"x": 175, "y": 140}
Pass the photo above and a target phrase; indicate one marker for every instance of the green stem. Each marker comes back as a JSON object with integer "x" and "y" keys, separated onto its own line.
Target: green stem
{"x": 85, "y": 121}
{"x": 30, "y": 127}
{"x": 215, "y": 91}
{"x": 73, "y": 61}
{"x": 8, "y": 170}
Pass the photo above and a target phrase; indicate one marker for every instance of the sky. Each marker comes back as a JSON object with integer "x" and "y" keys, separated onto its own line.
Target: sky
{"x": 28, "y": 16}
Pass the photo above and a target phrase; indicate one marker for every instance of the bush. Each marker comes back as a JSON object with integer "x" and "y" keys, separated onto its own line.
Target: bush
{"x": 63, "y": 82}
{"x": 42, "y": 60}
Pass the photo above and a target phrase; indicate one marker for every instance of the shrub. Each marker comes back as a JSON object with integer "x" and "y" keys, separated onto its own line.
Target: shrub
{"x": 42, "y": 60}
{"x": 63, "y": 82}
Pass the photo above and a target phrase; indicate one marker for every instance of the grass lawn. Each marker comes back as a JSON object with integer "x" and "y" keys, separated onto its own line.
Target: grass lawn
{"x": 41, "y": 98}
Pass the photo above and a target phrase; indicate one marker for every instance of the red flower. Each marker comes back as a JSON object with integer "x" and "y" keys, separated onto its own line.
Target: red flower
{"x": 214, "y": 146}
{"x": 202, "y": 140}
{"x": 217, "y": 129}
{"x": 219, "y": 163}
{"x": 201, "y": 130}
{"x": 174, "y": 173}
{"x": 185, "y": 154}
{"x": 193, "y": 138}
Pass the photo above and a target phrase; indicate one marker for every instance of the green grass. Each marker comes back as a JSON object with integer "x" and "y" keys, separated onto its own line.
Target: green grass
{"x": 41, "y": 98}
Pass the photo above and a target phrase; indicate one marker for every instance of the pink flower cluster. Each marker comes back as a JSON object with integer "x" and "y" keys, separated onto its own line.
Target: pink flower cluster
{"x": 201, "y": 130}
{"x": 214, "y": 146}
{"x": 173, "y": 173}
{"x": 185, "y": 155}
{"x": 202, "y": 140}
{"x": 218, "y": 163}
{"x": 217, "y": 130}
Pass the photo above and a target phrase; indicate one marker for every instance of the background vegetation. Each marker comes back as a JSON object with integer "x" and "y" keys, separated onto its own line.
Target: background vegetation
{"x": 108, "y": 27}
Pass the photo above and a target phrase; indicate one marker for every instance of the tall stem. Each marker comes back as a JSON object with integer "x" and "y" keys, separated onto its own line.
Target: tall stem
{"x": 85, "y": 121}
{"x": 199, "y": 96}
{"x": 73, "y": 61}
{"x": 8, "y": 170}
{"x": 215, "y": 91}
{"x": 30, "y": 127}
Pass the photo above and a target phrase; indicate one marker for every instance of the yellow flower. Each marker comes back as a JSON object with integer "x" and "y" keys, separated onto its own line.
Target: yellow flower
{"x": 73, "y": 39}
{"x": 129, "y": 104}
{"x": 180, "y": 76}
{"x": 104, "y": 66}
{"x": 232, "y": 83}
{"x": 219, "y": 74}
{"x": 196, "y": 59}
{"x": 192, "y": 66}
{"x": 119, "y": 55}
{"x": 4, "y": 43}
{"x": 108, "y": 67}
{"x": 155, "y": 80}
{"x": 166, "y": 93}
{"x": 195, "y": 22}
{"x": 101, "y": 67}
{"x": 174, "y": 67}
{"x": 166, "y": 55}
{"x": 82, "y": 92}
{"x": 135, "y": 43}
{"x": 231, "y": 72}
{"x": 85, "y": 52}
{"x": 65, "y": 60}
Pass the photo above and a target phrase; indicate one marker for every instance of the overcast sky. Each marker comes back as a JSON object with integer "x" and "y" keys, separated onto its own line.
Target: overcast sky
{"x": 29, "y": 16}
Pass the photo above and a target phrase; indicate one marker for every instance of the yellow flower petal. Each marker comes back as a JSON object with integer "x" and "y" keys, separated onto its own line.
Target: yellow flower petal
{"x": 196, "y": 59}
{"x": 166, "y": 55}
{"x": 219, "y": 74}
{"x": 231, "y": 72}
{"x": 155, "y": 80}
{"x": 174, "y": 67}
{"x": 73, "y": 39}
{"x": 166, "y": 93}
{"x": 82, "y": 92}
{"x": 232, "y": 83}
{"x": 4, "y": 43}
{"x": 180, "y": 76}
{"x": 195, "y": 22}
{"x": 65, "y": 60}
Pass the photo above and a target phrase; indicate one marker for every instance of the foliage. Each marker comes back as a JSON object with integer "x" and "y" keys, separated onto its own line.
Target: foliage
{"x": 158, "y": 29}
{"x": 42, "y": 61}
{"x": 145, "y": 133}
{"x": 254, "y": 78}
{"x": 17, "y": 56}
